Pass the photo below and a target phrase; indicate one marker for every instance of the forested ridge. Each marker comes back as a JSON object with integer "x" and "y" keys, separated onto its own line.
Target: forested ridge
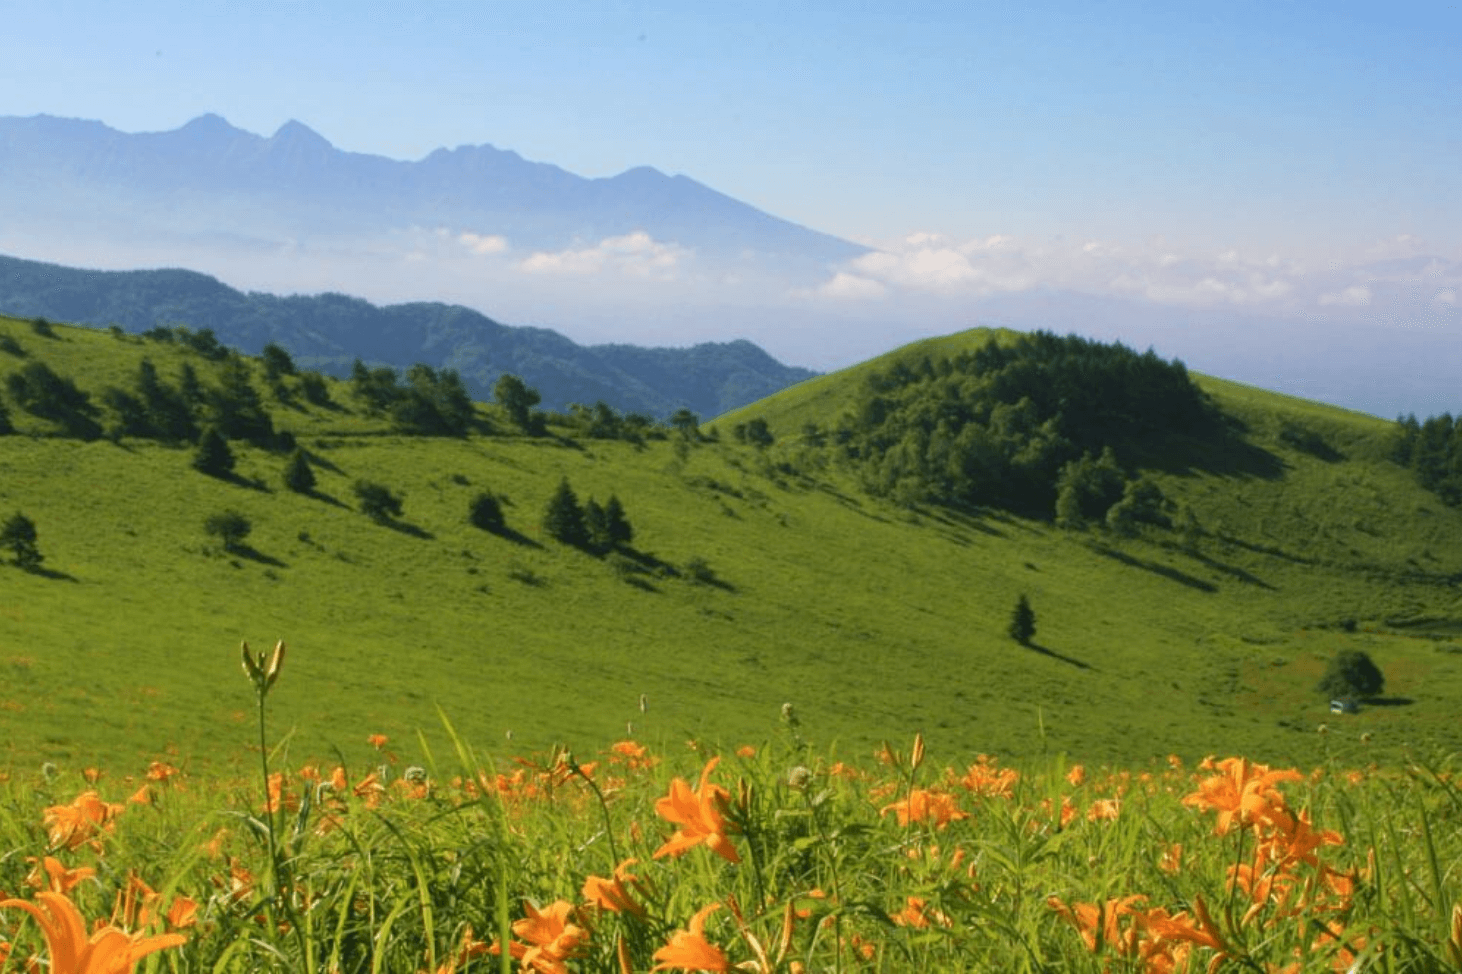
{"x": 1011, "y": 425}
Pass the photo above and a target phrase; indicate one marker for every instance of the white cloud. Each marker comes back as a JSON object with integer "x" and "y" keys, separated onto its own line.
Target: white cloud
{"x": 633, "y": 254}
{"x": 851, "y": 287}
{"x": 1445, "y": 298}
{"x": 1357, "y": 296}
{"x": 483, "y": 245}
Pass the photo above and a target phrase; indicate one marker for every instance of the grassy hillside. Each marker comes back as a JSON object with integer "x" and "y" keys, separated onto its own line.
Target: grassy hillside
{"x": 875, "y": 620}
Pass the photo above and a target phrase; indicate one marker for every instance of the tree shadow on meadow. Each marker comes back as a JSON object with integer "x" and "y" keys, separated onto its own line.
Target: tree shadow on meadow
{"x": 1164, "y": 571}
{"x": 1388, "y": 701}
{"x": 50, "y": 573}
{"x": 406, "y": 528}
{"x": 1070, "y": 660}
{"x": 254, "y": 554}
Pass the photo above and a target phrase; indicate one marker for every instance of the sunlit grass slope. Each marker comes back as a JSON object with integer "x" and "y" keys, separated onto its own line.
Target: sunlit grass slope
{"x": 875, "y": 621}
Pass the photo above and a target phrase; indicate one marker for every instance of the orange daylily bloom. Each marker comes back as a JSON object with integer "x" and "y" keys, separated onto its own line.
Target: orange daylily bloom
{"x": 1244, "y": 793}
{"x": 924, "y": 805}
{"x": 700, "y": 815}
{"x": 78, "y": 823}
{"x": 107, "y": 951}
{"x": 984, "y": 778}
{"x": 52, "y": 875}
{"x": 377, "y": 741}
{"x": 690, "y": 950}
{"x": 1100, "y": 924}
{"x": 917, "y": 913}
{"x": 183, "y": 912}
{"x": 161, "y": 772}
{"x": 614, "y": 894}
{"x": 554, "y": 939}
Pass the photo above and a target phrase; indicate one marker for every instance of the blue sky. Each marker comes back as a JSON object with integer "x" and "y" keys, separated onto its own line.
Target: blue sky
{"x": 1270, "y": 190}
{"x": 1305, "y": 129}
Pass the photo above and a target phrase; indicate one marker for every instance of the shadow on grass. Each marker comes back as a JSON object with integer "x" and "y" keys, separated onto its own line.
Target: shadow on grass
{"x": 1045, "y": 651}
{"x": 404, "y": 527}
{"x": 1233, "y": 572}
{"x": 50, "y": 573}
{"x": 320, "y": 495}
{"x": 1164, "y": 571}
{"x": 517, "y": 538}
{"x": 1388, "y": 701}
{"x": 254, "y": 554}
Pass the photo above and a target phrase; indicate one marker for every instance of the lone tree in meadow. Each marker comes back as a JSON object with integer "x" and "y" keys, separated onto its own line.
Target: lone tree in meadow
{"x": 376, "y": 501}
{"x": 229, "y": 527}
{"x": 298, "y": 475}
{"x": 1023, "y": 622}
{"x": 486, "y": 512}
{"x": 18, "y": 534}
{"x": 563, "y": 519}
{"x": 1351, "y": 674}
{"x": 213, "y": 456}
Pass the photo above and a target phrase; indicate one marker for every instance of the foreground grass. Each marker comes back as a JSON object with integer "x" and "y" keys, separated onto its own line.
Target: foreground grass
{"x": 773, "y": 857}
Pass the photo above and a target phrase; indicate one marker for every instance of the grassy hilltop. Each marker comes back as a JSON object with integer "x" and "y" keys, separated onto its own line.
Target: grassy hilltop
{"x": 757, "y": 575}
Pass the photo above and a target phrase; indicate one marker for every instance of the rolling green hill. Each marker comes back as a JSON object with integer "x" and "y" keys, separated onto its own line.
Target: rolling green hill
{"x": 757, "y": 576}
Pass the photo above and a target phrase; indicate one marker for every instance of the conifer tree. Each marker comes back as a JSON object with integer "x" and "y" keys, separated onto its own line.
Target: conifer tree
{"x": 298, "y": 475}
{"x": 616, "y": 524}
{"x": 213, "y": 456}
{"x": 1023, "y": 622}
{"x": 563, "y": 519}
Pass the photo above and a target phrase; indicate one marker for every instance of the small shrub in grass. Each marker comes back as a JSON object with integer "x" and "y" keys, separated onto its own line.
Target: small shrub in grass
{"x": 376, "y": 501}
{"x": 486, "y": 512}
{"x": 698, "y": 570}
{"x": 18, "y": 534}
{"x": 229, "y": 527}
{"x": 43, "y": 328}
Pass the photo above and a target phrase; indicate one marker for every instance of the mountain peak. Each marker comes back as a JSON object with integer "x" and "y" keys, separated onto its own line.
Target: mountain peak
{"x": 294, "y": 133}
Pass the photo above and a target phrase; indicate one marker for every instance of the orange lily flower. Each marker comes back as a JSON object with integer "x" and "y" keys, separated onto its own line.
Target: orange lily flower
{"x": 923, "y": 805}
{"x": 57, "y": 878}
{"x": 614, "y": 894}
{"x": 1100, "y": 924}
{"x": 107, "y": 951}
{"x": 700, "y": 815}
{"x": 76, "y": 824}
{"x": 1244, "y": 793}
{"x": 690, "y": 950}
{"x": 553, "y": 937}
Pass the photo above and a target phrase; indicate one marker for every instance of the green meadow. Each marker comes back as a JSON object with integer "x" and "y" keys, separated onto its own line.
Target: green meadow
{"x": 757, "y": 576}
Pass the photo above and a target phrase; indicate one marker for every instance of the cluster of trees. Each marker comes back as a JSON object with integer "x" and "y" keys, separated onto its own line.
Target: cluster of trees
{"x": 602, "y": 422}
{"x": 1433, "y": 451}
{"x": 1001, "y": 426}
{"x": 589, "y": 526}
{"x": 431, "y": 402}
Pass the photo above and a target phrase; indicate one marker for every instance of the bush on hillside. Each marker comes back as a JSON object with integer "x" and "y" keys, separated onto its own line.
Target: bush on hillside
{"x": 486, "y": 512}
{"x": 18, "y": 534}
{"x": 229, "y": 527}
{"x": 1351, "y": 674}
{"x": 376, "y": 501}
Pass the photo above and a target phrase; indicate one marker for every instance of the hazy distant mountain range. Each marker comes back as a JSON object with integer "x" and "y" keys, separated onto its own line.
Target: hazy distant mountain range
{"x": 656, "y": 260}
{"x": 211, "y": 179}
{"x": 329, "y": 330}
